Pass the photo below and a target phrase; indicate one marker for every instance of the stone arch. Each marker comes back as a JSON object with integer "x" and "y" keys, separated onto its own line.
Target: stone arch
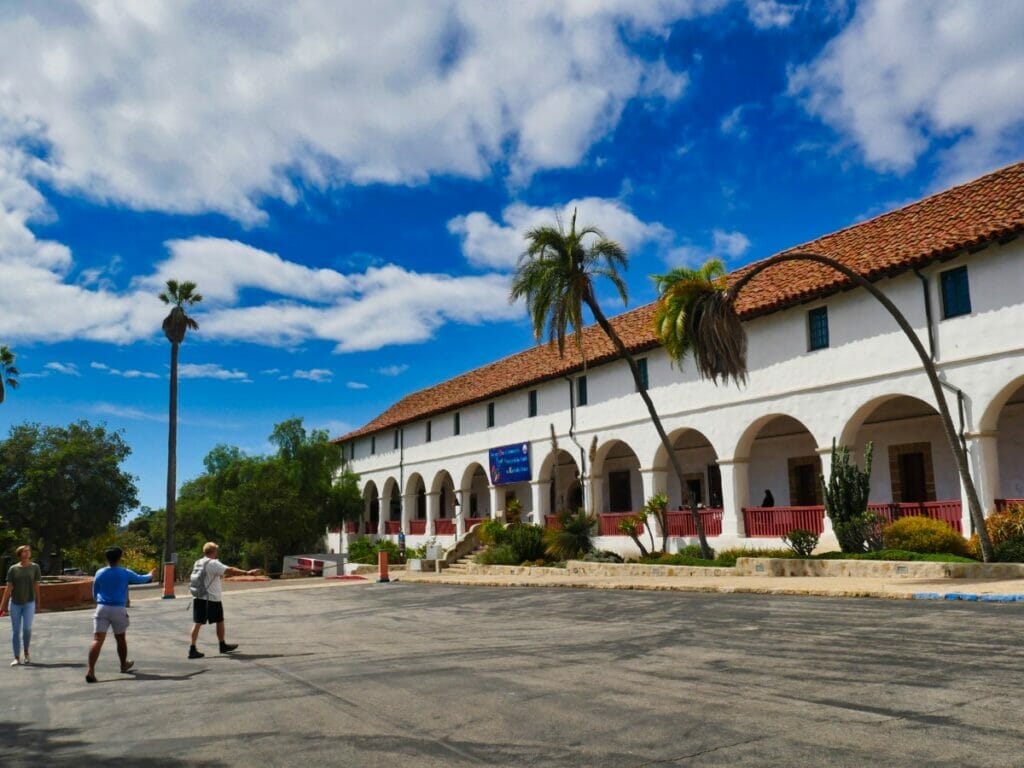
{"x": 371, "y": 506}
{"x": 475, "y": 489}
{"x": 699, "y": 459}
{"x": 444, "y": 486}
{"x": 417, "y": 488}
{"x": 618, "y": 486}
{"x": 912, "y": 459}
{"x": 783, "y": 460}
{"x": 569, "y": 489}
{"x": 392, "y": 500}
{"x": 989, "y": 421}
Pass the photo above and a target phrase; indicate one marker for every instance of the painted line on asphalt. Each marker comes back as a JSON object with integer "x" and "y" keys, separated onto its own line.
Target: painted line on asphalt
{"x": 970, "y": 597}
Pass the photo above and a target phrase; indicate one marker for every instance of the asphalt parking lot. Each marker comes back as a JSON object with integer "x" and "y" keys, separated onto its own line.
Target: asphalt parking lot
{"x": 418, "y": 675}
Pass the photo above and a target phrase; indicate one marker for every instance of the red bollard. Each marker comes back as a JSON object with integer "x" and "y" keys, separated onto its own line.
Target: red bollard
{"x": 168, "y": 581}
{"x": 382, "y": 567}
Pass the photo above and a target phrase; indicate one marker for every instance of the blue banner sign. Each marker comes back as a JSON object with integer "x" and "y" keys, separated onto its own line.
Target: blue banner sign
{"x": 510, "y": 464}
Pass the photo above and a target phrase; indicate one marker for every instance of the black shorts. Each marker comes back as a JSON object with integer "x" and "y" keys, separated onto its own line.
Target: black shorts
{"x": 207, "y": 611}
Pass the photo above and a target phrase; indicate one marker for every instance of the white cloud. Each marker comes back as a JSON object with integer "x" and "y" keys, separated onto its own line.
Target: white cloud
{"x": 270, "y": 371}
{"x": 126, "y": 412}
{"x": 771, "y": 14}
{"x": 732, "y": 123}
{"x": 210, "y": 371}
{"x": 487, "y": 243}
{"x": 357, "y": 385}
{"x": 185, "y": 108}
{"x": 128, "y": 374}
{"x": 393, "y": 370}
{"x": 68, "y": 369}
{"x": 724, "y": 245}
{"x": 314, "y": 374}
{"x": 906, "y": 76}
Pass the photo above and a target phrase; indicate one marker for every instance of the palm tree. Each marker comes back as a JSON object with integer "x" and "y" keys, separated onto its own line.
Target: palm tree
{"x": 179, "y": 296}
{"x": 713, "y": 330}
{"x": 8, "y": 373}
{"x": 556, "y": 278}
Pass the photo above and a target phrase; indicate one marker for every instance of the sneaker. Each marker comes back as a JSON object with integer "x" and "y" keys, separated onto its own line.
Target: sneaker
{"x": 90, "y": 678}
{"x": 194, "y": 654}
{"x": 15, "y": 663}
{"x": 126, "y": 667}
{"x": 28, "y": 659}
{"x": 228, "y": 647}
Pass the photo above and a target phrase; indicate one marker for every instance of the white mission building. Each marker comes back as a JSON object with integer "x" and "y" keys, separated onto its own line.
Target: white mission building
{"x": 825, "y": 362}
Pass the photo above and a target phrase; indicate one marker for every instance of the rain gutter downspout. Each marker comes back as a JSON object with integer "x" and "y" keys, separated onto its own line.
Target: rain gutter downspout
{"x": 572, "y": 436}
{"x": 960, "y": 397}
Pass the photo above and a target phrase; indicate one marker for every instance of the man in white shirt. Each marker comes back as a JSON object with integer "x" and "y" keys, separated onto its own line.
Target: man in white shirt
{"x": 209, "y": 609}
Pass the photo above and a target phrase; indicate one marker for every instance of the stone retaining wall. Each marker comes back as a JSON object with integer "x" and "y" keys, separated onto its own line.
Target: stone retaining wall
{"x": 512, "y": 570}
{"x": 769, "y": 566}
{"x": 69, "y": 592}
{"x": 584, "y": 568}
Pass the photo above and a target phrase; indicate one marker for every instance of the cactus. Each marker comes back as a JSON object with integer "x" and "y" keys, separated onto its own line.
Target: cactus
{"x": 846, "y": 498}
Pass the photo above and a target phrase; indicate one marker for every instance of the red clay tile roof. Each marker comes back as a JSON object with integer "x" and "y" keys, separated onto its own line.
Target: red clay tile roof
{"x": 981, "y": 211}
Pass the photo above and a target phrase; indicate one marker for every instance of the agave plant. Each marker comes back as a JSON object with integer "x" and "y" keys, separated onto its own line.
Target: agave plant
{"x": 573, "y": 537}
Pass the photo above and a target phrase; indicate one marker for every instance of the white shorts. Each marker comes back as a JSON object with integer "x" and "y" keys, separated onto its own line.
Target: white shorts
{"x": 107, "y": 616}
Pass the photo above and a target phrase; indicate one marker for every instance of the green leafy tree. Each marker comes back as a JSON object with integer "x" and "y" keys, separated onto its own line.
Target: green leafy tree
{"x": 720, "y": 350}
{"x": 179, "y": 296}
{"x": 61, "y": 485}
{"x": 555, "y": 276}
{"x": 8, "y": 373}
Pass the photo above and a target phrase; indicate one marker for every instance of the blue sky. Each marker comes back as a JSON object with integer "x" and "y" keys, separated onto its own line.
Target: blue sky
{"x": 348, "y": 183}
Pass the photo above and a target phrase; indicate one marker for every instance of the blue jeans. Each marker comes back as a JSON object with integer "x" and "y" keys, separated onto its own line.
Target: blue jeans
{"x": 21, "y": 625}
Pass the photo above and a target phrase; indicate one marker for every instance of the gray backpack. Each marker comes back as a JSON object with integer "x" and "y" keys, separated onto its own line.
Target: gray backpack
{"x": 197, "y": 584}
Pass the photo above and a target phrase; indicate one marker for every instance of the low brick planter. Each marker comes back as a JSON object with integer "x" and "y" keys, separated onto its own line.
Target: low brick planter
{"x": 58, "y": 593}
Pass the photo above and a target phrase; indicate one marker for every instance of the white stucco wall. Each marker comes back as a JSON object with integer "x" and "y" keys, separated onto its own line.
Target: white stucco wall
{"x": 830, "y": 391}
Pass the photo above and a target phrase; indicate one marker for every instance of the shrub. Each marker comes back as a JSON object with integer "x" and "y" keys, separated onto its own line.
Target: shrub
{"x": 1003, "y": 527}
{"x": 492, "y": 533}
{"x": 895, "y": 554}
{"x": 573, "y": 537}
{"x": 526, "y": 541}
{"x": 362, "y": 550}
{"x": 801, "y": 541}
{"x": 922, "y": 534}
{"x": 728, "y": 557}
{"x": 500, "y": 555}
{"x": 691, "y": 550}
{"x": 1011, "y": 551}
{"x": 604, "y": 556}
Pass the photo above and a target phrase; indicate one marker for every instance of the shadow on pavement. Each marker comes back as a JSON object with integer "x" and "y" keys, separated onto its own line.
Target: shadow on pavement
{"x": 22, "y": 744}
{"x": 62, "y": 665}
{"x": 256, "y": 656}
{"x": 152, "y": 676}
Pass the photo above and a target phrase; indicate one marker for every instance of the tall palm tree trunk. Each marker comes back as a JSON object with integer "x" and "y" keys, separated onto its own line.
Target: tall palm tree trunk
{"x": 602, "y": 321}
{"x": 172, "y": 455}
{"x": 959, "y": 454}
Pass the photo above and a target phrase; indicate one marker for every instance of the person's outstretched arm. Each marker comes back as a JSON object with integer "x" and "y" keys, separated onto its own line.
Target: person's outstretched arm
{"x": 230, "y": 570}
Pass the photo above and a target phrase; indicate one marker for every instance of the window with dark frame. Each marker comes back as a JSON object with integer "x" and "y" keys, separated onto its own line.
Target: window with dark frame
{"x": 581, "y": 390}
{"x": 396, "y": 440}
{"x": 429, "y": 430}
{"x": 817, "y": 329}
{"x": 373, "y": 444}
{"x": 457, "y": 427}
{"x": 532, "y": 403}
{"x": 956, "y": 293}
{"x": 642, "y": 365}
{"x": 490, "y": 415}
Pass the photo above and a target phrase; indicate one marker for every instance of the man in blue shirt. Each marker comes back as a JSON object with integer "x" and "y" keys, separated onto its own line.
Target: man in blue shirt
{"x": 110, "y": 588}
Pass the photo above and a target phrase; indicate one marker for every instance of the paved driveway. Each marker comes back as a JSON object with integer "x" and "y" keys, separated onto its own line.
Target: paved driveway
{"x": 417, "y": 675}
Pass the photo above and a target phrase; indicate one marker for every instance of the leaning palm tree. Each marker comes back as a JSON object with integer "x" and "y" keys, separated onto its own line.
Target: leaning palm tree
{"x": 8, "y": 373}
{"x": 705, "y": 313}
{"x": 179, "y": 296}
{"x": 555, "y": 276}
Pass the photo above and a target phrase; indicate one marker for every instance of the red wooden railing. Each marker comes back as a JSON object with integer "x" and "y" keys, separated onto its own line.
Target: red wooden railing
{"x": 778, "y": 521}
{"x": 417, "y": 527}
{"x": 392, "y": 526}
{"x": 608, "y": 523}
{"x": 551, "y": 521}
{"x": 681, "y": 523}
{"x": 471, "y": 521}
{"x": 444, "y": 527}
{"x": 947, "y": 511}
{"x": 352, "y": 526}
{"x": 1002, "y": 504}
